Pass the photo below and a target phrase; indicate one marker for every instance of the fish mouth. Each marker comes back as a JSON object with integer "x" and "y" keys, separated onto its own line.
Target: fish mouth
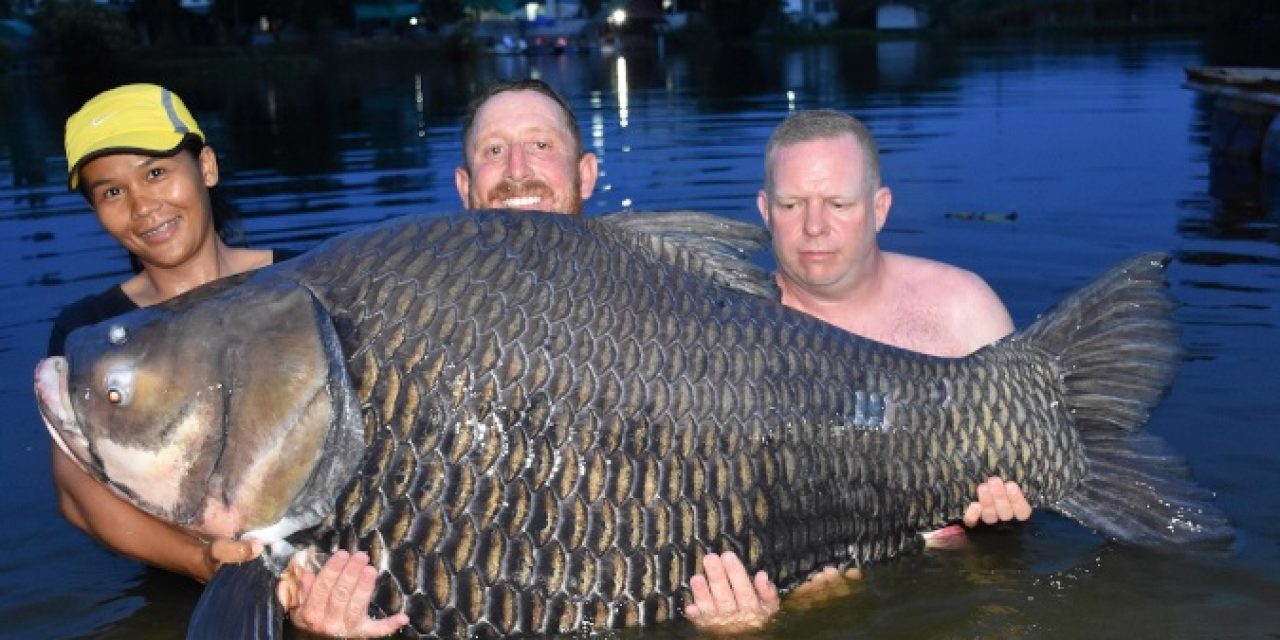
{"x": 54, "y": 399}
{"x": 151, "y": 493}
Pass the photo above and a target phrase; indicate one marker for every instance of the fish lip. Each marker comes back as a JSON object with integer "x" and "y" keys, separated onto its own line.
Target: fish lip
{"x": 54, "y": 400}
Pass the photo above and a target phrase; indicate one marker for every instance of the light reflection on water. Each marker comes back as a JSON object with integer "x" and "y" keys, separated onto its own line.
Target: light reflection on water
{"x": 1094, "y": 147}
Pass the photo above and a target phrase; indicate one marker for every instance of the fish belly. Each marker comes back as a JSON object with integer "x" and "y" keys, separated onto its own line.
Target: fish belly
{"x": 560, "y": 424}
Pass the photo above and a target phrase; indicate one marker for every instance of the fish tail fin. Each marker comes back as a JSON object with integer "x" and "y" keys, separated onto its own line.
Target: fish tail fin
{"x": 1118, "y": 348}
{"x": 239, "y": 602}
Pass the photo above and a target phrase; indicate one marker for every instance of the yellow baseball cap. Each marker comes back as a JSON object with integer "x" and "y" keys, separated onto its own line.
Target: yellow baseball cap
{"x": 136, "y": 118}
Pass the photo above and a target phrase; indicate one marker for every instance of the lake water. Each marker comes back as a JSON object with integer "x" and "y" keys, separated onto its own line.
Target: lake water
{"x": 1035, "y": 164}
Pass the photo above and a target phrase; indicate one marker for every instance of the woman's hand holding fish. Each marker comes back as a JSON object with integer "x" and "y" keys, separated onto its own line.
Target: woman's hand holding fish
{"x": 220, "y": 551}
{"x": 335, "y": 601}
{"x": 726, "y": 600}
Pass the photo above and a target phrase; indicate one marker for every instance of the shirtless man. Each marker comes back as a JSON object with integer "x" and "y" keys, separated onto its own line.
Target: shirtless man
{"x": 522, "y": 149}
{"x": 824, "y": 205}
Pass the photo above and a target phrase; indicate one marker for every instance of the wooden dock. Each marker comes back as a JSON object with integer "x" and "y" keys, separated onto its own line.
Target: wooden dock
{"x": 1246, "y": 101}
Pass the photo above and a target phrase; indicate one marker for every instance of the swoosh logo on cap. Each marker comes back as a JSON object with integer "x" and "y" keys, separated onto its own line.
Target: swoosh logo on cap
{"x": 100, "y": 119}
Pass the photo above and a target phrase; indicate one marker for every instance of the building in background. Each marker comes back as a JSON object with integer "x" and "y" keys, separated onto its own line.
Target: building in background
{"x": 810, "y": 13}
{"x": 901, "y": 16}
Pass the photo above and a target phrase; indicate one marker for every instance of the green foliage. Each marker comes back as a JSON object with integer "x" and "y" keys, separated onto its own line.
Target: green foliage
{"x": 739, "y": 18}
{"x": 163, "y": 24}
{"x": 441, "y": 12}
{"x": 501, "y": 6}
{"x": 857, "y": 13}
{"x": 80, "y": 35}
{"x": 697, "y": 36}
{"x": 994, "y": 15}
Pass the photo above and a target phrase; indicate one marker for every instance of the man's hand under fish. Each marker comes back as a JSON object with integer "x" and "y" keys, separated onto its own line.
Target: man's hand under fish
{"x": 335, "y": 602}
{"x": 332, "y": 602}
{"x": 727, "y": 600}
{"x": 998, "y": 501}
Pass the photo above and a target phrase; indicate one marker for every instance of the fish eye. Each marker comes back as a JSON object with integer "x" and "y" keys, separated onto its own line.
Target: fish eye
{"x": 117, "y": 334}
{"x": 118, "y": 386}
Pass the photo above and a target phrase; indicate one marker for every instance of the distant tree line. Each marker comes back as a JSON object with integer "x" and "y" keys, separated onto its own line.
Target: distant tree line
{"x": 743, "y": 17}
{"x": 164, "y": 22}
{"x": 1030, "y": 13}
{"x": 80, "y": 32}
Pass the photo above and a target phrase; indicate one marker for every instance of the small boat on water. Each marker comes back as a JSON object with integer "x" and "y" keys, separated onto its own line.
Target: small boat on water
{"x": 1258, "y": 84}
{"x": 1244, "y": 121}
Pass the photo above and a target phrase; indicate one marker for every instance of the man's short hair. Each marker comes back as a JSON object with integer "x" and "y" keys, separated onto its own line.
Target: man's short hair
{"x": 823, "y": 124}
{"x": 531, "y": 84}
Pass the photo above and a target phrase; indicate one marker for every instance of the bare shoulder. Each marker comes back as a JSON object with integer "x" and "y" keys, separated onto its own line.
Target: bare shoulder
{"x": 970, "y": 305}
{"x": 942, "y": 281}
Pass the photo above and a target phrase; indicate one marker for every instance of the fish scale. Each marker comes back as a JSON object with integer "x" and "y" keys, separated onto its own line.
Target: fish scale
{"x": 541, "y": 423}
{"x": 588, "y": 363}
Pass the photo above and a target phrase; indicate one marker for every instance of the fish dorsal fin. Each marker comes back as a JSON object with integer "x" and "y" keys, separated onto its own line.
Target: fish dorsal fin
{"x": 715, "y": 247}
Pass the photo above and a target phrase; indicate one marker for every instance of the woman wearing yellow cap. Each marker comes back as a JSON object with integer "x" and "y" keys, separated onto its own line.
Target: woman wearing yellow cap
{"x": 140, "y": 160}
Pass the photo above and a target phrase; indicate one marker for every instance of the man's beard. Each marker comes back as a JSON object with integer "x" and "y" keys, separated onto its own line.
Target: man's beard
{"x": 508, "y": 189}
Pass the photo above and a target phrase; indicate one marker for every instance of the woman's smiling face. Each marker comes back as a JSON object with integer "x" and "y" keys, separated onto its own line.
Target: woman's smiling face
{"x": 157, "y": 207}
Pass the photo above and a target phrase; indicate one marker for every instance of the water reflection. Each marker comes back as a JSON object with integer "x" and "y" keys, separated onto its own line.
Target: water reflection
{"x": 1247, "y": 201}
{"x": 897, "y": 62}
{"x": 623, "y": 92}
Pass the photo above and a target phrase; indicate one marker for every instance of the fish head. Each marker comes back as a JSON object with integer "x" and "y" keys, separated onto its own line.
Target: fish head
{"x": 225, "y": 411}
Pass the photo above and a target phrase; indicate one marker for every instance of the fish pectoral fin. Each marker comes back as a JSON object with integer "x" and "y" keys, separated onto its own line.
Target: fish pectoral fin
{"x": 239, "y": 602}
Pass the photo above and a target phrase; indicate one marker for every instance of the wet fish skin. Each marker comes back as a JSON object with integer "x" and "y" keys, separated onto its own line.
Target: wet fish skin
{"x": 562, "y": 415}
{"x": 596, "y": 440}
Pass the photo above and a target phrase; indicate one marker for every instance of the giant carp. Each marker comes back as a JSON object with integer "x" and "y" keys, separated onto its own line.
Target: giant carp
{"x": 541, "y": 423}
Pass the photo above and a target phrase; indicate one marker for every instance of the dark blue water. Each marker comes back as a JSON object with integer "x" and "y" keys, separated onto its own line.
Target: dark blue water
{"x": 1036, "y": 165}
